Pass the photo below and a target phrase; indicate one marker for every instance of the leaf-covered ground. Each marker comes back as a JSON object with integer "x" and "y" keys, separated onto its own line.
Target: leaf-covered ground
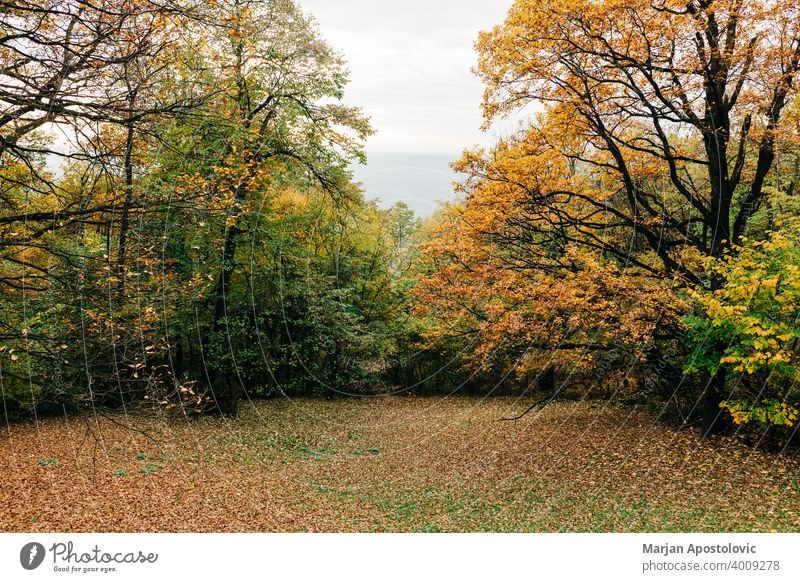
{"x": 390, "y": 464}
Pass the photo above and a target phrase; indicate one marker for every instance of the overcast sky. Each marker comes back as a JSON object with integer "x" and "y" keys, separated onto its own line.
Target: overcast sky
{"x": 410, "y": 65}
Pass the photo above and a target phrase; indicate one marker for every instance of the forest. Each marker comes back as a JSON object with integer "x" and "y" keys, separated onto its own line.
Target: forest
{"x": 183, "y": 246}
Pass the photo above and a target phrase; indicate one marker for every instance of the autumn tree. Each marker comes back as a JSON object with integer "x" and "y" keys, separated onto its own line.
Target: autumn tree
{"x": 278, "y": 110}
{"x": 657, "y": 130}
{"x": 754, "y": 315}
{"x": 149, "y": 264}
{"x": 80, "y": 84}
{"x": 69, "y": 74}
{"x": 691, "y": 93}
{"x": 61, "y": 64}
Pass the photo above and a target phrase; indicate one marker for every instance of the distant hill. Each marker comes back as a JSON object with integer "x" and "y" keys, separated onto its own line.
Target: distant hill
{"x": 420, "y": 180}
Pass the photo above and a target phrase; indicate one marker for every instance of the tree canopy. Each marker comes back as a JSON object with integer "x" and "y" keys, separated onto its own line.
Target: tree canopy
{"x": 661, "y": 135}
{"x": 180, "y": 228}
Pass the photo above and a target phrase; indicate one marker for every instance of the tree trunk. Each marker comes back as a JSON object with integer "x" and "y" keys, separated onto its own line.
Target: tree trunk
{"x": 226, "y": 389}
{"x": 547, "y": 381}
{"x": 711, "y": 414}
{"x": 124, "y": 221}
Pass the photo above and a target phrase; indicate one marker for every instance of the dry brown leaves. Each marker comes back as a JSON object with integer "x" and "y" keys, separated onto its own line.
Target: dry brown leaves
{"x": 393, "y": 464}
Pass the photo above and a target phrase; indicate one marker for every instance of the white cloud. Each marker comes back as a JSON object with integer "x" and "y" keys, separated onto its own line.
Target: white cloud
{"x": 410, "y": 65}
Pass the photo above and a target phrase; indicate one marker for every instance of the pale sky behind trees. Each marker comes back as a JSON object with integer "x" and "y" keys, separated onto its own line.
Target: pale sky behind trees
{"x": 410, "y": 66}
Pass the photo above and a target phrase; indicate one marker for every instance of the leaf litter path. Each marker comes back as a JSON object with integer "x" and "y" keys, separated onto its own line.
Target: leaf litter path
{"x": 390, "y": 464}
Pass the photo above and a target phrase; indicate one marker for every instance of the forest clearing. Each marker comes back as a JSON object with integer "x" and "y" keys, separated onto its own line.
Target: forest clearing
{"x": 216, "y": 316}
{"x": 390, "y": 464}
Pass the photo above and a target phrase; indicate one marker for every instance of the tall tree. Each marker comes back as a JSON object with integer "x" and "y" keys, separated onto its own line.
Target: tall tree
{"x": 691, "y": 93}
{"x": 279, "y": 105}
{"x": 657, "y": 131}
{"x": 71, "y": 72}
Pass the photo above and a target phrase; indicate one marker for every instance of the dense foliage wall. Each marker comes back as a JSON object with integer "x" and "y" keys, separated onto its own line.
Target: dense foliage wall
{"x": 636, "y": 235}
{"x": 179, "y": 228}
{"x": 178, "y": 225}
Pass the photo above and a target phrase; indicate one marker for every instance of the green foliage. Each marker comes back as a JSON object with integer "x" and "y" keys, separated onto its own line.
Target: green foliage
{"x": 230, "y": 253}
{"x": 749, "y": 327}
{"x": 768, "y": 412}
